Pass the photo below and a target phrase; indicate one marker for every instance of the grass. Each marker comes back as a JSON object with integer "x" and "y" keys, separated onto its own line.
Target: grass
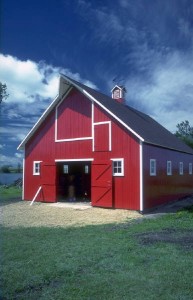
{"x": 56, "y": 253}
{"x": 11, "y": 192}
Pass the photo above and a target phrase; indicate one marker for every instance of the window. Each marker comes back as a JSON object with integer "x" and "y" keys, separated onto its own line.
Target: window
{"x": 153, "y": 167}
{"x": 118, "y": 167}
{"x": 169, "y": 167}
{"x": 190, "y": 168}
{"x": 86, "y": 169}
{"x": 65, "y": 169}
{"x": 181, "y": 168}
{"x": 36, "y": 168}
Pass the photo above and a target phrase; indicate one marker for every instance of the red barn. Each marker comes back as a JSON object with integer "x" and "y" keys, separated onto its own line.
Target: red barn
{"x": 87, "y": 144}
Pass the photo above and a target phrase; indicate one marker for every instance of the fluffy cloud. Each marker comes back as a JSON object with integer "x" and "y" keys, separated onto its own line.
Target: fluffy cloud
{"x": 29, "y": 81}
{"x": 31, "y": 87}
{"x": 168, "y": 95}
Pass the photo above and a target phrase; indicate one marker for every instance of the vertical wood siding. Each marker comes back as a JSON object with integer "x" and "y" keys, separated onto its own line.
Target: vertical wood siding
{"x": 74, "y": 121}
{"x": 162, "y": 187}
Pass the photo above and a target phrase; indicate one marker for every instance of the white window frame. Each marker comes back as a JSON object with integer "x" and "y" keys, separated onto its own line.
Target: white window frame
{"x": 169, "y": 167}
{"x": 36, "y": 167}
{"x": 116, "y": 160}
{"x": 190, "y": 168}
{"x": 181, "y": 168}
{"x": 152, "y": 167}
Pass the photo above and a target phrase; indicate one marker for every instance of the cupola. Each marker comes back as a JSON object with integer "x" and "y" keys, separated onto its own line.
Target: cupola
{"x": 118, "y": 93}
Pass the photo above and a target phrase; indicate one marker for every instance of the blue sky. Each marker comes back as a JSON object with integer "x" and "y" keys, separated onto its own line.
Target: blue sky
{"x": 145, "y": 45}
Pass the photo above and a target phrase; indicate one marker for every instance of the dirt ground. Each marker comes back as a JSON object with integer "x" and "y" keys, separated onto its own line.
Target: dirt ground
{"x": 20, "y": 213}
{"x": 16, "y": 212}
{"x": 182, "y": 238}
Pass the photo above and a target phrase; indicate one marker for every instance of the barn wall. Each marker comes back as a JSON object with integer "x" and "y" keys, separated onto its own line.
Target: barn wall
{"x": 47, "y": 145}
{"x": 162, "y": 187}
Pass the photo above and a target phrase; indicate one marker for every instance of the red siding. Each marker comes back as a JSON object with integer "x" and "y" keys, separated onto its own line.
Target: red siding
{"x": 75, "y": 114}
{"x": 74, "y": 117}
{"x": 162, "y": 187}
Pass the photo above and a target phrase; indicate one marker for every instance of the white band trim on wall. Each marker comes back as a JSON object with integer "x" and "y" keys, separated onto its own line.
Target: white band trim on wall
{"x": 74, "y": 159}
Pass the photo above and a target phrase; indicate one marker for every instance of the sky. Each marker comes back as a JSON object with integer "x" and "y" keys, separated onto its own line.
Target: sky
{"x": 145, "y": 45}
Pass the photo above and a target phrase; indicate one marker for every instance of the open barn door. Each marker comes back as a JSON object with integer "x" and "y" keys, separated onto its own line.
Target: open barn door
{"x": 101, "y": 184}
{"x": 48, "y": 181}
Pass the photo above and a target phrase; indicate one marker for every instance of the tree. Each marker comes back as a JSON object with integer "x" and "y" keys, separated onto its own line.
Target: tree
{"x": 5, "y": 169}
{"x": 3, "y": 92}
{"x": 185, "y": 132}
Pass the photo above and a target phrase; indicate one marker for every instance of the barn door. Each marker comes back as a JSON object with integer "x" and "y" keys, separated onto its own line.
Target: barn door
{"x": 101, "y": 184}
{"x": 48, "y": 182}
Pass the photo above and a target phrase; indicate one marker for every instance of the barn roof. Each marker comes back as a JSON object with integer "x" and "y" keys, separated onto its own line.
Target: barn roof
{"x": 141, "y": 125}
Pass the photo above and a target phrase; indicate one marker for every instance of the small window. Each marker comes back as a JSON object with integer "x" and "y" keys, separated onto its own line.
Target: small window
{"x": 36, "y": 168}
{"x": 169, "y": 167}
{"x": 181, "y": 168}
{"x": 118, "y": 168}
{"x": 65, "y": 169}
{"x": 190, "y": 168}
{"x": 153, "y": 167}
{"x": 86, "y": 169}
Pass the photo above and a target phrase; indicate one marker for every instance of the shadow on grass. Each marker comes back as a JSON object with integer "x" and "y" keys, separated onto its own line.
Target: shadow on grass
{"x": 4, "y": 202}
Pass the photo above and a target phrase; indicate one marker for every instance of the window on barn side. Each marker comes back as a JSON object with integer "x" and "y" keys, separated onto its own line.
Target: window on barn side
{"x": 152, "y": 167}
{"x": 36, "y": 168}
{"x": 181, "y": 168}
{"x": 118, "y": 167}
{"x": 169, "y": 167}
{"x": 190, "y": 168}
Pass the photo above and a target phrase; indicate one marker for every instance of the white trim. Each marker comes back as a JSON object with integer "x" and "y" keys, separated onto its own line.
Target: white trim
{"x": 74, "y": 159}
{"x": 56, "y": 124}
{"x": 122, "y": 166}
{"x": 92, "y": 120}
{"x": 34, "y": 167}
{"x": 40, "y": 120}
{"x": 23, "y": 176}
{"x": 154, "y": 172}
{"x": 110, "y": 132}
{"x": 119, "y": 120}
{"x": 141, "y": 174}
{"x": 74, "y": 139}
{"x": 34, "y": 198}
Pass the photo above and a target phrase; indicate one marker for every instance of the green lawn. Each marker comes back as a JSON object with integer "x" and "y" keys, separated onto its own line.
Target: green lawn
{"x": 143, "y": 259}
{"x": 10, "y": 192}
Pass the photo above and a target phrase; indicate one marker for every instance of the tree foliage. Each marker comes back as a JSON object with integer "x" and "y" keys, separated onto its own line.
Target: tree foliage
{"x": 3, "y": 92}
{"x": 185, "y": 132}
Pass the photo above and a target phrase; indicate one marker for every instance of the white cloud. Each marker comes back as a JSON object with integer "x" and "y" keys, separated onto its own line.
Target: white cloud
{"x": 31, "y": 82}
{"x": 168, "y": 96}
{"x": 11, "y": 160}
{"x": 31, "y": 87}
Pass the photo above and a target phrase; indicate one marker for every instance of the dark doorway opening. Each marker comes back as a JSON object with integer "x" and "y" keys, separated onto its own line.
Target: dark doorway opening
{"x": 74, "y": 181}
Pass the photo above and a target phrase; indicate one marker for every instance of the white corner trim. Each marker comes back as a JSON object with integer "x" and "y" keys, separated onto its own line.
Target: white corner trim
{"x": 23, "y": 184}
{"x": 141, "y": 175}
{"x": 92, "y": 120}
